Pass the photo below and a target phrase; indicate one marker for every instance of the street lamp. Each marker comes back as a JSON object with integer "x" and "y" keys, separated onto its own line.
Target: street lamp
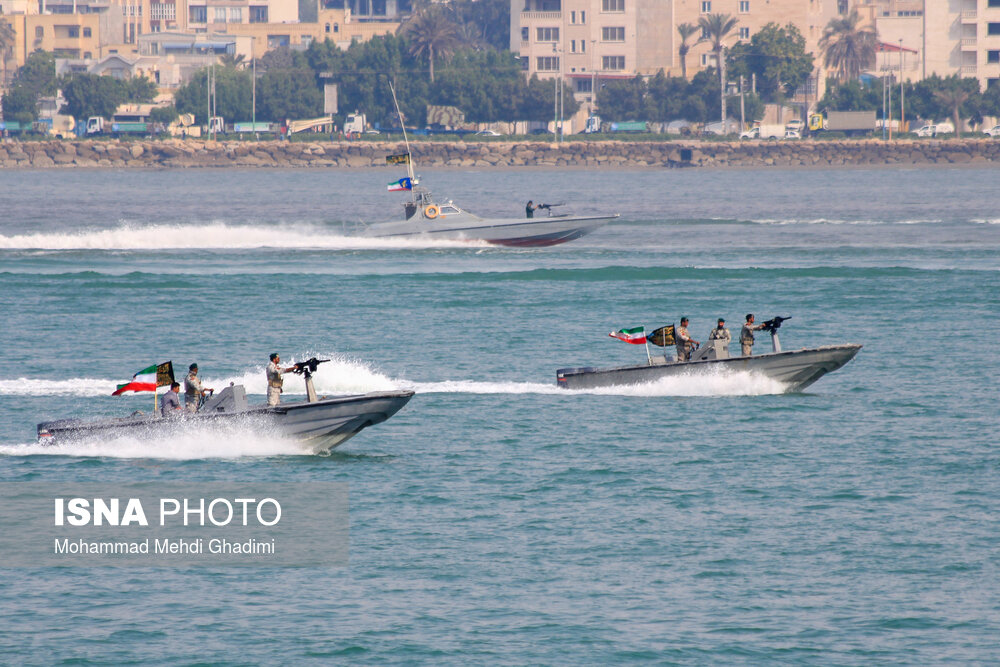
{"x": 557, "y": 98}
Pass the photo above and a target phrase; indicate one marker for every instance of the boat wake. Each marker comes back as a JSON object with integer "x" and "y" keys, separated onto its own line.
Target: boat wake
{"x": 186, "y": 442}
{"x": 217, "y": 236}
{"x": 349, "y": 376}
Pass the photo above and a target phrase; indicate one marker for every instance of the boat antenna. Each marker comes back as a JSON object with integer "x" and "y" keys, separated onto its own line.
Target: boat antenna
{"x": 402, "y": 125}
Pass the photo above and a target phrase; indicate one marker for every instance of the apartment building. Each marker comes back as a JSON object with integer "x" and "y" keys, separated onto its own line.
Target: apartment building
{"x": 949, "y": 36}
{"x": 69, "y": 35}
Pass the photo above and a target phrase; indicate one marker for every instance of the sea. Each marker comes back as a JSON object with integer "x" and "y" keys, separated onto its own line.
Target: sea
{"x": 499, "y": 519}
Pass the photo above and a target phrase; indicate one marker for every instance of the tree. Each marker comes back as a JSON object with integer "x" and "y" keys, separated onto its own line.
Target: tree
{"x": 853, "y": 95}
{"x": 623, "y": 99}
{"x": 485, "y": 23}
{"x": 35, "y": 78}
{"x": 431, "y": 31}
{"x": 777, "y": 56}
{"x": 232, "y": 95}
{"x": 163, "y": 115}
{"x": 234, "y": 60}
{"x": 20, "y": 102}
{"x": 848, "y": 47}
{"x": 92, "y": 95}
{"x": 290, "y": 94}
{"x": 7, "y": 41}
{"x": 714, "y": 29}
{"x": 991, "y": 101}
{"x": 685, "y": 30}
{"x": 961, "y": 98}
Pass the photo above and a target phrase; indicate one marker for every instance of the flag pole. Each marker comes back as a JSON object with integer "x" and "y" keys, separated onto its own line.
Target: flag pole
{"x": 649, "y": 358}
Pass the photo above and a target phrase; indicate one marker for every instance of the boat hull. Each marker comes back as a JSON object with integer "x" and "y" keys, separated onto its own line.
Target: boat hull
{"x": 322, "y": 425}
{"x": 797, "y": 369}
{"x": 514, "y": 232}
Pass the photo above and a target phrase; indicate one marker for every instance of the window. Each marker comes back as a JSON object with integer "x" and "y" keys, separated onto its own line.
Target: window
{"x": 744, "y": 6}
{"x": 993, "y": 57}
{"x": 39, "y": 32}
{"x": 276, "y": 41}
{"x": 842, "y": 6}
{"x": 547, "y": 64}
{"x": 704, "y": 34}
{"x": 327, "y": 29}
{"x": 706, "y": 6}
{"x": 744, "y": 33}
{"x": 613, "y": 62}
{"x": 584, "y": 85}
{"x": 197, "y": 14}
{"x": 236, "y": 15}
{"x": 524, "y": 64}
{"x": 547, "y": 34}
{"x": 572, "y": 17}
{"x": 220, "y": 14}
{"x": 993, "y": 28}
{"x": 524, "y": 34}
{"x": 708, "y": 60}
{"x": 583, "y": 16}
{"x": 572, "y": 46}
{"x": 993, "y": 3}
{"x": 583, "y": 46}
{"x": 613, "y": 34}
{"x": 612, "y": 5}
{"x": 73, "y": 31}
{"x": 336, "y": 28}
{"x": 259, "y": 15}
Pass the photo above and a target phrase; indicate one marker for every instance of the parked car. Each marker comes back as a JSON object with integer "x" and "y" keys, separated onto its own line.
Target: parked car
{"x": 927, "y": 131}
{"x": 792, "y": 134}
{"x": 540, "y": 130}
{"x": 795, "y": 125}
{"x": 487, "y": 133}
{"x": 993, "y": 132}
{"x": 932, "y": 130}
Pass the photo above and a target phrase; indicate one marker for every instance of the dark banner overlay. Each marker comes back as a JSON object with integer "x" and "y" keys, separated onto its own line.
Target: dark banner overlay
{"x": 173, "y": 524}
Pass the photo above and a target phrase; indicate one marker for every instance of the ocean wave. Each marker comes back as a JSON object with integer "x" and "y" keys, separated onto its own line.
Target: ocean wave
{"x": 214, "y": 236}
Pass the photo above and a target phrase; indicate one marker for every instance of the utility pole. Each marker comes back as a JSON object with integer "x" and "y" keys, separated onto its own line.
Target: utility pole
{"x": 743, "y": 111}
{"x": 902, "y": 91}
{"x": 722, "y": 79}
{"x": 555, "y": 99}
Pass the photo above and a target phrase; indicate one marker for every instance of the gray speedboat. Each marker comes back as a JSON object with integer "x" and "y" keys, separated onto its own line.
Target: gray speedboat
{"x": 322, "y": 423}
{"x": 797, "y": 369}
{"x": 424, "y": 217}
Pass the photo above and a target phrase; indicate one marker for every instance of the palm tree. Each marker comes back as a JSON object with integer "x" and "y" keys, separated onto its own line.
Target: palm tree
{"x": 234, "y": 60}
{"x": 685, "y": 30}
{"x": 714, "y": 29}
{"x": 848, "y": 47}
{"x": 954, "y": 97}
{"x": 7, "y": 41}
{"x": 430, "y": 30}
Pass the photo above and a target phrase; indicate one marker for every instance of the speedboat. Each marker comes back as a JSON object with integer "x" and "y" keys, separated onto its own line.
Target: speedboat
{"x": 321, "y": 423}
{"x": 426, "y": 218}
{"x": 796, "y": 369}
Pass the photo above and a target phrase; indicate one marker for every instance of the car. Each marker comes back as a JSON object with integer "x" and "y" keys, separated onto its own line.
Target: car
{"x": 540, "y": 130}
{"x": 792, "y": 134}
{"x": 927, "y": 131}
{"x": 795, "y": 125}
{"x": 487, "y": 133}
{"x": 993, "y": 132}
{"x": 372, "y": 131}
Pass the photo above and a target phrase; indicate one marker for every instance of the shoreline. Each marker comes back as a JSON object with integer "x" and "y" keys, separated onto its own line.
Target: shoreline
{"x": 176, "y": 153}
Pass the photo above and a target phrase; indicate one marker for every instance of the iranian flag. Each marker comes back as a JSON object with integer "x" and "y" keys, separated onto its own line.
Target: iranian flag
{"x": 148, "y": 379}
{"x": 636, "y": 336}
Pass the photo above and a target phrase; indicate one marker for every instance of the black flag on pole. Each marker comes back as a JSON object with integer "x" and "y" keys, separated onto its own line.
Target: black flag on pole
{"x": 663, "y": 337}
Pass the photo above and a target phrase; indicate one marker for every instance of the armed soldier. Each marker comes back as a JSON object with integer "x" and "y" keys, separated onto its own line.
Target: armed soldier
{"x": 193, "y": 389}
{"x": 720, "y": 332}
{"x": 746, "y": 335}
{"x": 685, "y": 344}
{"x": 274, "y": 379}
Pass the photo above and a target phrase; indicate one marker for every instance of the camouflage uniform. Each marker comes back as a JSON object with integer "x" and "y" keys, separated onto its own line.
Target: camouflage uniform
{"x": 274, "y": 383}
{"x": 720, "y": 334}
{"x": 746, "y": 337}
{"x": 684, "y": 344}
{"x": 192, "y": 392}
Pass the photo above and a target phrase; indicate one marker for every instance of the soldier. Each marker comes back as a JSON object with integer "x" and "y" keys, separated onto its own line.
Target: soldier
{"x": 746, "y": 335}
{"x": 685, "y": 344}
{"x": 170, "y": 405}
{"x": 720, "y": 332}
{"x": 274, "y": 379}
{"x": 193, "y": 390}
{"x": 529, "y": 210}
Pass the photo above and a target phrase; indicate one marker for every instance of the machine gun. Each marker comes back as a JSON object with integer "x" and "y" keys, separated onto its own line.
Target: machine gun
{"x": 775, "y": 323}
{"x": 307, "y": 368}
{"x": 772, "y": 326}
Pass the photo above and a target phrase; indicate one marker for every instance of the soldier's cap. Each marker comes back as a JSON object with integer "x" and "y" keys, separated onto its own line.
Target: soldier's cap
{"x": 274, "y": 355}
{"x": 722, "y": 320}
{"x": 193, "y": 367}
{"x": 684, "y": 319}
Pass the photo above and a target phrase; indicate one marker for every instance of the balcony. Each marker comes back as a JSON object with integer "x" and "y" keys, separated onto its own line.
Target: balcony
{"x": 969, "y": 43}
{"x": 968, "y": 70}
{"x": 969, "y": 15}
{"x": 544, "y": 16}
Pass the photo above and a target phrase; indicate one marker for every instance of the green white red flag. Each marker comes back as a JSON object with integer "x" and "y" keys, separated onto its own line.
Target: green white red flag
{"x": 636, "y": 336}
{"x": 148, "y": 379}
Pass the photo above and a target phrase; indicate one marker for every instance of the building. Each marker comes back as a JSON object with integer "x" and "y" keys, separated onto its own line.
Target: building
{"x": 79, "y": 35}
{"x": 955, "y": 37}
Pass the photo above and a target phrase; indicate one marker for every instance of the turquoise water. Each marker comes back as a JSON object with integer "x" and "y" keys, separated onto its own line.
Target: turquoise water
{"x": 497, "y": 518}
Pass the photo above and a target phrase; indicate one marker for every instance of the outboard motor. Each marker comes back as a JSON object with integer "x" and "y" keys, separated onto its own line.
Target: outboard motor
{"x": 307, "y": 368}
{"x": 772, "y": 326}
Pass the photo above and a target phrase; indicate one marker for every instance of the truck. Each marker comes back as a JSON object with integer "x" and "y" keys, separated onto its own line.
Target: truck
{"x": 593, "y": 125}
{"x": 848, "y": 122}
{"x": 626, "y": 126}
{"x": 764, "y": 131}
{"x": 355, "y": 123}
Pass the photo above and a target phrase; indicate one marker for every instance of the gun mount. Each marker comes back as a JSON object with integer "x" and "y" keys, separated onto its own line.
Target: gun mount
{"x": 307, "y": 368}
{"x": 772, "y": 325}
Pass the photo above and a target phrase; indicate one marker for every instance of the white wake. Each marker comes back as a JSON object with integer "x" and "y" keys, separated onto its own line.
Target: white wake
{"x": 215, "y": 236}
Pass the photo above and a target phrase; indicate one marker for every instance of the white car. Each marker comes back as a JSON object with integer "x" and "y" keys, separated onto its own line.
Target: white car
{"x": 993, "y": 132}
{"x": 927, "y": 131}
{"x": 487, "y": 133}
{"x": 795, "y": 125}
{"x": 792, "y": 134}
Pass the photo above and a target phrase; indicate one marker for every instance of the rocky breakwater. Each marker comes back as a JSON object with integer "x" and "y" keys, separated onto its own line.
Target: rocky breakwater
{"x": 364, "y": 154}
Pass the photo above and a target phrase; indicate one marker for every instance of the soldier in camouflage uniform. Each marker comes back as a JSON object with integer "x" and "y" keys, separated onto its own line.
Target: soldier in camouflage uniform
{"x": 193, "y": 389}
{"x": 274, "y": 379}
{"x": 685, "y": 344}
{"x": 746, "y": 335}
{"x": 720, "y": 332}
